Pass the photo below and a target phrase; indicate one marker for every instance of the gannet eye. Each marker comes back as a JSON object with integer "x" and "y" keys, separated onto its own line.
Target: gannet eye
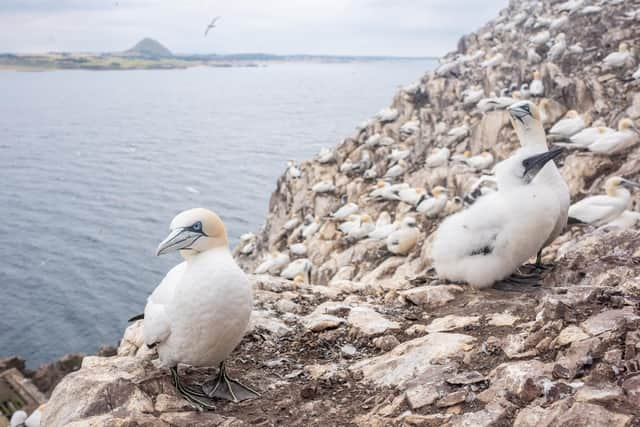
{"x": 197, "y": 226}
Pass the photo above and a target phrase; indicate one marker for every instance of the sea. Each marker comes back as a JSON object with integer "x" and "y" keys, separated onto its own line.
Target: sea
{"x": 95, "y": 164}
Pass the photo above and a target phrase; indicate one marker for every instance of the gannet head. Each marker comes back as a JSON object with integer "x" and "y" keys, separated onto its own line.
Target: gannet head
{"x": 624, "y": 47}
{"x": 571, "y": 114}
{"x": 194, "y": 231}
{"x": 627, "y": 124}
{"x": 524, "y": 115}
{"x": 615, "y": 182}
{"x": 439, "y": 191}
{"x": 409, "y": 221}
{"x": 536, "y": 75}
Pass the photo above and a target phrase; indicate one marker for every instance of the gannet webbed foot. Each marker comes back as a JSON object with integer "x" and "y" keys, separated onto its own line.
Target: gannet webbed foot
{"x": 191, "y": 394}
{"x": 227, "y": 388}
{"x": 518, "y": 282}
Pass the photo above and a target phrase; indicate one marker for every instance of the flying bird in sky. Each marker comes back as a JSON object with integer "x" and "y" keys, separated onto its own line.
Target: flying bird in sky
{"x": 211, "y": 25}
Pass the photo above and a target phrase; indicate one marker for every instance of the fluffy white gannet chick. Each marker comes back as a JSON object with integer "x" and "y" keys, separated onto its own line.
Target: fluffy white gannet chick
{"x": 626, "y": 136}
{"x": 527, "y": 123}
{"x": 201, "y": 309}
{"x": 599, "y": 210}
{"x": 500, "y": 231}
{"x": 401, "y": 241}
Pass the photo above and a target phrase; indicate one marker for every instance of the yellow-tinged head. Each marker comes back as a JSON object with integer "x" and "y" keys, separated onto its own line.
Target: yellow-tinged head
{"x": 466, "y": 154}
{"x": 571, "y": 114}
{"x": 627, "y": 124}
{"x": 438, "y": 191}
{"x": 299, "y": 278}
{"x": 623, "y": 47}
{"x": 536, "y": 75}
{"x": 615, "y": 182}
{"x": 194, "y": 231}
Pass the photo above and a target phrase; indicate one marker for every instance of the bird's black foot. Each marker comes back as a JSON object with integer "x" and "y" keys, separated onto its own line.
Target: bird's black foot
{"x": 191, "y": 394}
{"x": 227, "y": 388}
{"x": 519, "y": 282}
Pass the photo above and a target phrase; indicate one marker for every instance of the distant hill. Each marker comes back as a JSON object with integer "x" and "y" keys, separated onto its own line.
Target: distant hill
{"x": 149, "y": 48}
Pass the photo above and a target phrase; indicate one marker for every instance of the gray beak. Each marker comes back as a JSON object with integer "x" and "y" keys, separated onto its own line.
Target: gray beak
{"x": 519, "y": 112}
{"x": 180, "y": 238}
{"x": 630, "y": 184}
{"x": 534, "y": 164}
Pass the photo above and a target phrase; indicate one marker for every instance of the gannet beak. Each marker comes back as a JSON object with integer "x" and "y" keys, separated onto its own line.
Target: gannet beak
{"x": 630, "y": 184}
{"x": 519, "y": 111}
{"x": 180, "y": 238}
{"x": 534, "y": 164}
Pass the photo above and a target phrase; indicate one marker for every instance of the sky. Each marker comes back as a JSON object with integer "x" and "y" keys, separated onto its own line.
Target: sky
{"x": 340, "y": 27}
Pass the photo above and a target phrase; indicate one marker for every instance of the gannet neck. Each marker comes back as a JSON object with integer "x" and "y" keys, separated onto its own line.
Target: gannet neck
{"x": 191, "y": 254}
{"x": 532, "y": 136}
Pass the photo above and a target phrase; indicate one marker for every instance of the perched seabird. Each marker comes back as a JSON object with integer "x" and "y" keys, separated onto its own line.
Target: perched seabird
{"x": 201, "y": 309}
{"x": 396, "y": 170}
{"x": 557, "y": 50}
{"x": 18, "y": 418}
{"x": 353, "y": 221}
{"x": 588, "y": 136}
{"x": 404, "y": 239}
{"x": 325, "y": 156}
{"x": 458, "y": 133}
{"x": 599, "y": 210}
{"x": 493, "y": 61}
{"x": 400, "y": 153}
{"x": 291, "y": 224}
{"x": 298, "y": 267}
{"x": 471, "y": 97}
{"x": 273, "y": 263}
{"x": 480, "y": 249}
{"x": 361, "y": 229}
{"x": 532, "y": 56}
{"x": 311, "y": 227}
{"x": 618, "y": 59}
{"x": 536, "y": 87}
{"x": 527, "y": 123}
{"x": 345, "y": 211}
{"x": 383, "y": 227}
{"x": 559, "y": 22}
{"x": 387, "y": 115}
{"x": 540, "y": 38}
{"x": 626, "y": 136}
{"x": 571, "y": 124}
{"x": 411, "y": 195}
{"x": 432, "y": 206}
{"x": 298, "y": 249}
{"x": 211, "y": 25}
{"x": 292, "y": 170}
{"x": 438, "y": 157}
{"x": 480, "y": 161}
{"x": 323, "y": 187}
{"x": 409, "y": 128}
{"x": 373, "y": 140}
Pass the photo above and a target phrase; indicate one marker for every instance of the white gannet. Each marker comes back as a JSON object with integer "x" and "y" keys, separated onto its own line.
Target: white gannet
{"x": 559, "y": 22}
{"x": 571, "y": 124}
{"x": 526, "y": 121}
{"x": 347, "y": 166}
{"x": 570, "y": 6}
{"x": 361, "y": 229}
{"x": 410, "y": 127}
{"x": 438, "y": 157}
{"x": 345, "y": 211}
{"x": 311, "y": 227}
{"x": 480, "y": 161}
{"x": 471, "y": 97}
{"x": 201, "y": 309}
{"x": 352, "y": 222}
{"x": 396, "y": 170}
{"x": 291, "y": 224}
{"x": 532, "y": 56}
{"x": 618, "y": 59}
{"x": 298, "y": 249}
{"x": 373, "y": 140}
{"x": 626, "y": 136}
{"x": 540, "y": 38}
{"x": 557, "y": 50}
{"x": 493, "y": 61}
{"x": 371, "y": 173}
{"x": 459, "y": 132}
{"x": 292, "y": 170}
{"x": 536, "y": 87}
{"x": 588, "y": 136}
{"x": 411, "y": 195}
{"x": 383, "y": 227}
{"x": 273, "y": 263}
{"x": 400, "y": 153}
{"x": 576, "y": 49}
{"x": 386, "y": 191}
{"x": 211, "y": 25}
{"x": 325, "y": 156}
{"x": 432, "y": 206}
{"x": 590, "y": 10}
{"x": 488, "y": 241}
{"x": 598, "y": 210}
{"x": 298, "y": 267}
{"x": 404, "y": 239}
{"x": 323, "y": 187}
{"x": 626, "y": 220}
{"x": 387, "y": 115}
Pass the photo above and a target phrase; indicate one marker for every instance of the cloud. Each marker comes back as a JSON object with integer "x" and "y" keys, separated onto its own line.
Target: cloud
{"x": 351, "y": 27}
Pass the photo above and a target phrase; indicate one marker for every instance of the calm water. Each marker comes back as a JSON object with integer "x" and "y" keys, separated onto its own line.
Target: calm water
{"x": 94, "y": 165}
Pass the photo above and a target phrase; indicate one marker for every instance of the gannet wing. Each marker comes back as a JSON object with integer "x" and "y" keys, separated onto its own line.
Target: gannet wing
{"x": 157, "y": 324}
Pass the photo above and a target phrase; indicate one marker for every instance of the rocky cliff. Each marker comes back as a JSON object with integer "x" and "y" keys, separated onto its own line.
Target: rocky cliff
{"x": 371, "y": 338}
